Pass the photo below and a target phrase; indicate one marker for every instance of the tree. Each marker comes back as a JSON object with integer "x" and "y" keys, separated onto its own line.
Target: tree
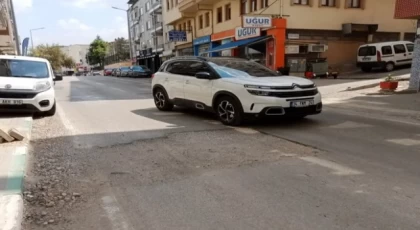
{"x": 54, "y": 55}
{"x": 97, "y": 52}
{"x": 122, "y": 48}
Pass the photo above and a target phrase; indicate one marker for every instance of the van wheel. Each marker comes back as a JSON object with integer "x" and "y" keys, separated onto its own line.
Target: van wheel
{"x": 366, "y": 69}
{"x": 389, "y": 66}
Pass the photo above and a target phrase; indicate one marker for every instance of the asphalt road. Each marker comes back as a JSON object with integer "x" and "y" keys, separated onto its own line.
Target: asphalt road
{"x": 139, "y": 168}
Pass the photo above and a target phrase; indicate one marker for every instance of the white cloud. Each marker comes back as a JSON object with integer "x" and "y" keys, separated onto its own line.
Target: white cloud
{"x": 73, "y": 24}
{"x": 22, "y": 5}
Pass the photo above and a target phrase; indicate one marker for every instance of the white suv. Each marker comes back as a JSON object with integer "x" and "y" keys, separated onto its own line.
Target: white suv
{"x": 27, "y": 85}
{"x": 233, "y": 88}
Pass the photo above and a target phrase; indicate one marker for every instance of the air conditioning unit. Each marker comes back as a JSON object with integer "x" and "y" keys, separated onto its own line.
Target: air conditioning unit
{"x": 317, "y": 48}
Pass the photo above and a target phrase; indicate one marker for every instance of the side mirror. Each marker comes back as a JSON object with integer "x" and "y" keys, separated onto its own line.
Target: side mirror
{"x": 203, "y": 75}
{"x": 58, "y": 77}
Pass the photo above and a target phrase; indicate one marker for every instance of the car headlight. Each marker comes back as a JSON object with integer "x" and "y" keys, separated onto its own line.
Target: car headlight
{"x": 259, "y": 92}
{"x": 42, "y": 86}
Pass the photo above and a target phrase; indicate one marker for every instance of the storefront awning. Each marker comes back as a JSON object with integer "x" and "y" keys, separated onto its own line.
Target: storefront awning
{"x": 236, "y": 44}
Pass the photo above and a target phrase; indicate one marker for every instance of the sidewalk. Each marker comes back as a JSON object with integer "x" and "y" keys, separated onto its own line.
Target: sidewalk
{"x": 12, "y": 168}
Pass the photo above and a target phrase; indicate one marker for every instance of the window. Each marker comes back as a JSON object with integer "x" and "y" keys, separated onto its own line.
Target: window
{"x": 147, "y": 6}
{"x": 300, "y": 2}
{"x": 243, "y": 7}
{"x": 200, "y": 22}
{"x": 167, "y": 5}
{"x": 141, "y": 11}
{"x": 23, "y": 69}
{"x": 386, "y": 50}
{"x": 228, "y": 15}
{"x": 253, "y": 6}
{"x": 219, "y": 15}
{"x": 399, "y": 49}
{"x": 264, "y": 4}
{"x": 367, "y": 51}
{"x": 353, "y": 4}
{"x": 410, "y": 47}
{"x": 328, "y": 3}
{"x": 185, "y": 26}
{"x": 180, "y": 27}
{"x": 194, "y": 67}
{"x": 148, "y": 25}
{"x": 189, "y": 29}
{"x": 177, "y": 67}
{"x": 207, "y": 19}
{"x": 150, "y": 41}
{"x": 142, "y": 28}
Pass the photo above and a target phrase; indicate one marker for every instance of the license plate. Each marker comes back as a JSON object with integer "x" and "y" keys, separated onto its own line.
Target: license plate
{"x": 11, "y": 102}
{"x": 299, "y": 104}
{"x": 366, "y": 59}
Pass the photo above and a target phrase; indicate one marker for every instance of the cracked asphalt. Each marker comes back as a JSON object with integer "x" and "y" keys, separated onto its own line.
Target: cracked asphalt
{"x": 109, "y": 160}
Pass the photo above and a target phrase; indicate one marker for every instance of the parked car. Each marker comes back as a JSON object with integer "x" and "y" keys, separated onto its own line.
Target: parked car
{"x": 385, "y": 55}
{"x": 26, "y": 85}
{"x": 96, "y": 73}
{"x": 233, "y": 88}
{"x": 140, "y": 71}
{"x": 114, "y": 72}
{"x": 108, "y": 72}
{"x": 124, "y": 72}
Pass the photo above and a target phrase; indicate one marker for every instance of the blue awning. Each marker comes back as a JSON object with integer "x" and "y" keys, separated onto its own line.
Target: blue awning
{"x": 236, "y": 44}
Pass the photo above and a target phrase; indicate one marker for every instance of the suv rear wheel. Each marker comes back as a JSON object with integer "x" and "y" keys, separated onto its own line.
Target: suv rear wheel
{"x": 229, "y": 111}
{"x": 161, "y": 100}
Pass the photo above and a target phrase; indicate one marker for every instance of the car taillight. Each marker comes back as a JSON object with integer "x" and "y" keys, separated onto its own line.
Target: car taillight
{"x": 153, "y": 75}
{"x": 378, "y": 56}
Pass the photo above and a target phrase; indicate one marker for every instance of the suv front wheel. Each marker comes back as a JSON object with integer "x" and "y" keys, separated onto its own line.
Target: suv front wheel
{"x": 161, "y": 100}
{"x": 229, "y": 111}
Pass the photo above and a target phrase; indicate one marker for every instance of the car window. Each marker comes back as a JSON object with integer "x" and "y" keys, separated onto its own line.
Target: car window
{"x": 386, "y": 50}
{"x": 250, "y": 67}
{"x": 125, "y": 68}
{"x": 410, "y": 47}
{"x": 194, "y": 67}
{"x": 367, "y": 51}
{"x": 137, "y": 68}
{"x": 23, "y": 68}
{"x": 399, "y": 49}
{"x": 176, "y": 67}
{"x": 144, "y": 67}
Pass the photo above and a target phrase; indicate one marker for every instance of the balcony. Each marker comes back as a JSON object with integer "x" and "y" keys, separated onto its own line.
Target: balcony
{"x": 187, "y": 6}
{"x": 158, "y": 29}
{"x": 156, "y": 7}
{"x": 131, "y": 2}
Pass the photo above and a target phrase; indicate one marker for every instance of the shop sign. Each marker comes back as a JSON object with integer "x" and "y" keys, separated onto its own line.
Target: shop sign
{"x": 292, "y": 49}
{"x": 202, "y": 40}
{"x": 293, "y": 36}
{"x": 177, "y": 36}
{"x": 256, "y": 21}
{"x": 244, "y": 33}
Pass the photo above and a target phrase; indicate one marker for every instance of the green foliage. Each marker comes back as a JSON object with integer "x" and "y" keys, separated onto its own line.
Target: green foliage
{"x": 122, "y": 47}
{"x": 390, "y": 78}
{"x": 97, "y": 52}
{"x": 54, "y": 55}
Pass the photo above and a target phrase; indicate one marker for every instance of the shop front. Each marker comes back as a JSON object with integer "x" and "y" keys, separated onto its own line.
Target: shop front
{"x": 201, "y": 45}
{"x": 148, "y": 58}
{"x": 263, "y": 42}
{"x": 223, "y": 38}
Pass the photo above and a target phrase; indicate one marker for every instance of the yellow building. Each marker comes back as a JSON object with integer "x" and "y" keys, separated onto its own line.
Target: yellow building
{"x": 315, "y": 28}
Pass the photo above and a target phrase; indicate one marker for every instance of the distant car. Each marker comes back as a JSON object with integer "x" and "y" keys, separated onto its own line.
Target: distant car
{"x": 140, "y": 71}
{"x": 108, "y": 72}
{"x": 96, "y": 73}
{"x": 114, "y": 72}
{"x": 78, "y": 74}
{"x": 123, "y": 72}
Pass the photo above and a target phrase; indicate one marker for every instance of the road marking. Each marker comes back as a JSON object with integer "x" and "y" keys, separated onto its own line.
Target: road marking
{"x": 114, "y": 213}
{"x": 349, "y": 125}
{"x": 337, "y": 169}
{"x": 66, "y": 122}
{"x": 405, "y": 141}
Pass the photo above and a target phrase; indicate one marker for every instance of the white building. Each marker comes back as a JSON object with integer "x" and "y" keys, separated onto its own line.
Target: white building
{"x": 77, "y": 53}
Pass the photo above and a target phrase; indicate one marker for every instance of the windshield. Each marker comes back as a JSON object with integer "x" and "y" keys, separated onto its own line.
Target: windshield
{"x": 139, "y": 68}
{"x": 235, "y": 67}
{"x": 125, "y": 68}
{"x": 23, "y": 68}
{"x": 226, "y": 72}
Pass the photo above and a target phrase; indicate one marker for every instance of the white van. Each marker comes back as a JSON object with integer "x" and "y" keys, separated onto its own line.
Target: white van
{"x": 27, "y": 85}
{"x": 385, "y": 55}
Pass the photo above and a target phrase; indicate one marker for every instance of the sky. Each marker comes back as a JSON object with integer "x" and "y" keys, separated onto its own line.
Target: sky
{"x": 69, "y": 22}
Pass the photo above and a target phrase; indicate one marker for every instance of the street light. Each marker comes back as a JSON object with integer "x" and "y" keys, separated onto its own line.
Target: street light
{"x": 30, "y": 31}
{"x": 129, "y": 31}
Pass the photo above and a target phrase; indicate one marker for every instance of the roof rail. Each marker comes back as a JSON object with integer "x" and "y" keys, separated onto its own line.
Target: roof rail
{"x": 189, "y": 57}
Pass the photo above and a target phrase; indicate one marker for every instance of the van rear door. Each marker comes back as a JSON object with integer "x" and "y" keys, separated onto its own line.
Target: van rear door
{"x": 367, "y": 54}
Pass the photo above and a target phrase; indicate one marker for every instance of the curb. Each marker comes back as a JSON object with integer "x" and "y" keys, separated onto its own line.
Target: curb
{"x": 11, "y": 200}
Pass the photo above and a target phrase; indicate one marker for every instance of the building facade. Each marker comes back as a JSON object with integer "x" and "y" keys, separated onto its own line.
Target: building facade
{"x": 313, "y": 28}
{"x": 146, "y": 30}
{"x": 77, "y": 53}
{"x": 9, "y": 39}
{"x": 409, "y": 10}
